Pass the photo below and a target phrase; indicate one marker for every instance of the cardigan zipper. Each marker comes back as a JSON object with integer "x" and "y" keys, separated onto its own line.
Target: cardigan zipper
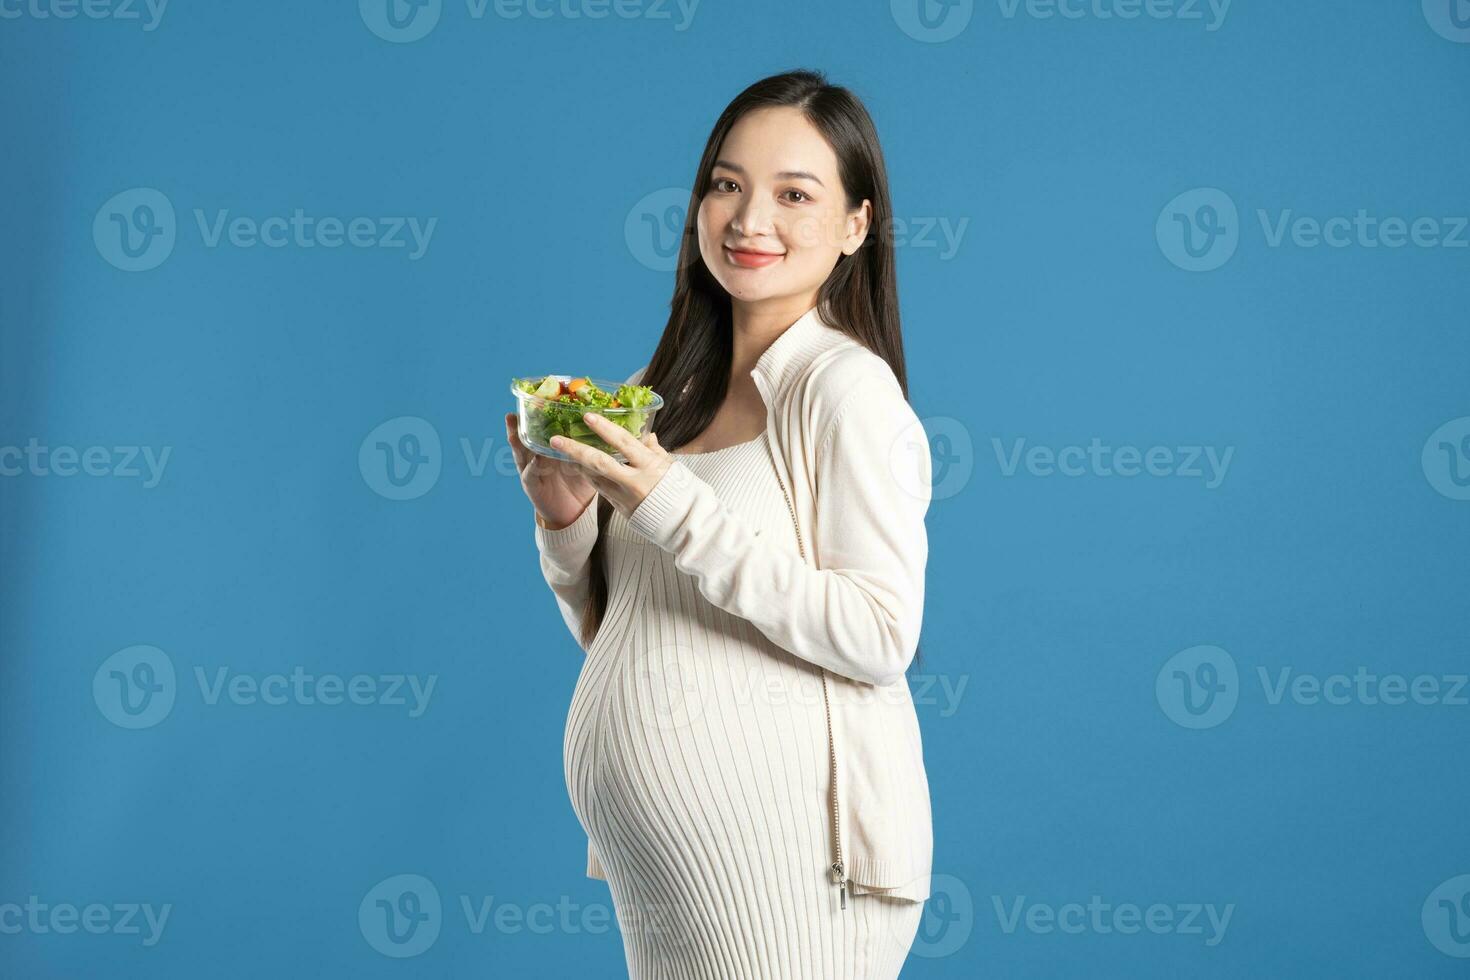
{"x": 839, "y": 870}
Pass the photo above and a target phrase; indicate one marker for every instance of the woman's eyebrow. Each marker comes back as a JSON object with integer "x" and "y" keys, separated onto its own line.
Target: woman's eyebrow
{"x": 784, "y": 174}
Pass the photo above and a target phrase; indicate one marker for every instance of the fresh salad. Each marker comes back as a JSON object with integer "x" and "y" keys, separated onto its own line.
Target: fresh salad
{"x": 562, "y": 402}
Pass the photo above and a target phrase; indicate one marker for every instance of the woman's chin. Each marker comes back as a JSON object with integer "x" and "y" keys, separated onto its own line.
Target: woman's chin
{"x": 742, "y": 289}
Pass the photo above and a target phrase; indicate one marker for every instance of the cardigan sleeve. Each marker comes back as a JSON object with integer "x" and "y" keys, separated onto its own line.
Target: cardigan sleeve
{"x": 859, "y": 610}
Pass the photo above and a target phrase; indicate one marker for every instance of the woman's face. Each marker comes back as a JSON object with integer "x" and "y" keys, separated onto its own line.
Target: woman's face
{"x": 774, "y": 218}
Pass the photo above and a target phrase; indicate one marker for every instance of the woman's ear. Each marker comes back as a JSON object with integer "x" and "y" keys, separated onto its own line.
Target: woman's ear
{"x": 857, "y": 227}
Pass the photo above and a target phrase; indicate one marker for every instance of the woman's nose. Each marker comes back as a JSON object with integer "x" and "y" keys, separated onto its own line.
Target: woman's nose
{"x": 753, "y": 218}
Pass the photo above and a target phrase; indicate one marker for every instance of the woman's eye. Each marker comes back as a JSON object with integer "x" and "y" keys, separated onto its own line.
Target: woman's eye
{"x": 799, "y": 196}
{"x": 724, "y": 184}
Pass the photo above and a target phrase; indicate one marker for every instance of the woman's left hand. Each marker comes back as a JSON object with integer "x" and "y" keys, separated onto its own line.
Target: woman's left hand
{"x": 624, "y": 485}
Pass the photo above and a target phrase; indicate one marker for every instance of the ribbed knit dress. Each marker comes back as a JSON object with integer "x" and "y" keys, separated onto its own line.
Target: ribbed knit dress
{"x": 696, "y": 759}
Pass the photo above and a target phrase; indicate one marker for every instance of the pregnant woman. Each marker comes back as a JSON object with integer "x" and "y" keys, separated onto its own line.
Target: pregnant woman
{"x": 741, "y": 748}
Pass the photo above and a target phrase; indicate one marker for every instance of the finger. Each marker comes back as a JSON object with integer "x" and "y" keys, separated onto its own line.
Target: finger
{"x": 594, "y": 461}
{"x": 619, "y": 438}
{"x": 518, "y": 450}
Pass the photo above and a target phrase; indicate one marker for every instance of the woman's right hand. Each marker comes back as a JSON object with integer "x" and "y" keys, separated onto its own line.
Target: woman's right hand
{"x": 557, "y": 489}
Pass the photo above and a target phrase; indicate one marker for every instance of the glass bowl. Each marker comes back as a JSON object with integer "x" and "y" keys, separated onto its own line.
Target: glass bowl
{"x": 539, "y": 418}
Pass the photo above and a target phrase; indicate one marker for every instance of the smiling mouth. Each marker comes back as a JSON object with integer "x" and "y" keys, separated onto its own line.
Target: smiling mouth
{"x": 753, "y": 260}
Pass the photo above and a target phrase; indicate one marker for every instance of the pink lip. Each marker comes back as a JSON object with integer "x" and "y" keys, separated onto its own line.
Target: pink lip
{"x": 753, "y": 260}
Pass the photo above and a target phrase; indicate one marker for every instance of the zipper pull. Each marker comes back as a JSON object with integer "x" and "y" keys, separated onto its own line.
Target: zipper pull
{"x": 840, "y": 876}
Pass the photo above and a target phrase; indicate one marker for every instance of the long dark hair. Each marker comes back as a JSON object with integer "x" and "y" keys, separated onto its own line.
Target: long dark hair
{"x": 690, "y": 367}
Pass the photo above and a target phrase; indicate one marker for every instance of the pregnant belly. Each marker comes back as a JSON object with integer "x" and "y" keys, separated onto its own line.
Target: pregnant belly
{"x": 717, "y": 739}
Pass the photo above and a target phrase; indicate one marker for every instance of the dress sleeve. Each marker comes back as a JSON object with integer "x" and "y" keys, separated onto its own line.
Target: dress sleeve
{"x": 565, "y": 557}
{"x": 859, "y": 611}
{"x": 565, "y": 562}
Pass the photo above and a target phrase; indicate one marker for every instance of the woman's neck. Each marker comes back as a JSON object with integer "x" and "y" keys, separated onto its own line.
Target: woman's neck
{"x": 756, "y": 326}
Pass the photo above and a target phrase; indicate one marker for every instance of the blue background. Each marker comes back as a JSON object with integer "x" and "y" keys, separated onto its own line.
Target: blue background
{"x": 1056, "y": 600}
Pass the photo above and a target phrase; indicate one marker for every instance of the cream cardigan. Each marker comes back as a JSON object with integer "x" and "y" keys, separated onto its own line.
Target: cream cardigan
{"x": 854, "y": 461}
